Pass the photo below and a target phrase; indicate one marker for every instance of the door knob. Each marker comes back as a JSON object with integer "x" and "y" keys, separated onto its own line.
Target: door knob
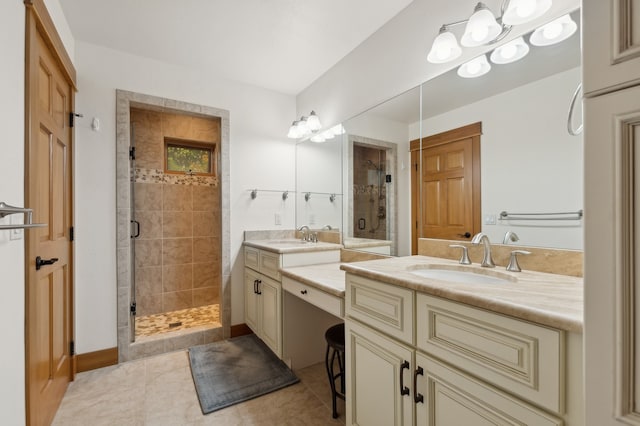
{"x": 465, "y": 235}
{"x": 41, "y": 262}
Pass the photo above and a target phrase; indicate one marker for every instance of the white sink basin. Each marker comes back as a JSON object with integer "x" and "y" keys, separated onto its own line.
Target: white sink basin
{"x": 462, "y": 276}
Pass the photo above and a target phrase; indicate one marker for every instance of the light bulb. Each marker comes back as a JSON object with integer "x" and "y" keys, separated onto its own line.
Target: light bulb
{"x": 552, "y": 30}
{"x": 314, "y": 122}
{"x": 293, "y": 131}
{"x": 475, "y": 67}
{"x": 523, "y": 11}
{"x": 445, "y": 48}
{"x": 481, "y": 28}
{"x": 510, "y": 52}
{"x": 526, "y": 8}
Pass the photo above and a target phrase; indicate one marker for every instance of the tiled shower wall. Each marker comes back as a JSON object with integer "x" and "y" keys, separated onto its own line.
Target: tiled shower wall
{"x": 366, "y": 193}
{"x": 178, "y": 262}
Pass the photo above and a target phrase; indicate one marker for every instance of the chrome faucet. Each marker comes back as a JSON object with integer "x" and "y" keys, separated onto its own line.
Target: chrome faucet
{"x": 487, "y": 261}
{"x": 305, "y": 232}
{"x": 510, "y": 236}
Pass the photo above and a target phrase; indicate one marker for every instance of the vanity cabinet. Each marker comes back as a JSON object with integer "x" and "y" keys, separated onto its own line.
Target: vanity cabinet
{"x": 611, "y": 55}
{"x": 263, "y": 289}
{"x": 414, "y": 358}
{"x": 263, "y": 308}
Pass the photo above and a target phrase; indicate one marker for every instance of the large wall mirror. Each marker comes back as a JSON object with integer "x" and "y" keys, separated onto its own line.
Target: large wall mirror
{"x": 527, "y": 161}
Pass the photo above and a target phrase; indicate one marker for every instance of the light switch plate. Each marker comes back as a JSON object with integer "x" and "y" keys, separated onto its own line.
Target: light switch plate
{"x": 16, "y": 234}
{"x": 490, "y": 219}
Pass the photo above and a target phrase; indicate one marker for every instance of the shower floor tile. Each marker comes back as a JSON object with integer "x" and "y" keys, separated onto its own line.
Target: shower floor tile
{"x": 184, "y": 319}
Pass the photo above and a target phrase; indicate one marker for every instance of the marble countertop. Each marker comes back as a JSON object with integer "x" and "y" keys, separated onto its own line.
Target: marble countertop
{"x": 291, "y": 245}
{"x": 327, "y": 277}
{"x": 547, "y": 299}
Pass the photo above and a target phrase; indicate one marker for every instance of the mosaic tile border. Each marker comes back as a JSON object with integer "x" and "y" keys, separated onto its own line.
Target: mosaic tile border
{"x": 159, "y": 176}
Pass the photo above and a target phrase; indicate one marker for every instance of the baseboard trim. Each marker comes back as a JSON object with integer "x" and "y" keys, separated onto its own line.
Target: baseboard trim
{"x": 97, "y": 359}
{"x": 240, "y": 330}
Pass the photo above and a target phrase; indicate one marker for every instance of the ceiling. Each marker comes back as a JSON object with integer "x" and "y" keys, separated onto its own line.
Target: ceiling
{"x": 283, "y": 45}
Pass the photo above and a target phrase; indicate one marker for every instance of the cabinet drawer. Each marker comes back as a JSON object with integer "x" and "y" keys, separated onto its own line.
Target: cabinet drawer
{"x": 325, "y": 301}
{"x": 252, "y": 258}
{"x": 385, "y": 307}
{"x": 522, "y": 357}
{"x": 270, "y": 264}
{"x": 453, "y": 398}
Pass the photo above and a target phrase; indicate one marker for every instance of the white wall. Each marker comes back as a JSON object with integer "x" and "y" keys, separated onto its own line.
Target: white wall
{"x": 60, "y": 21}
{"x": 261, "y": 157}
{"x": 12, "y": 16}
{"x": 530, "y": 163}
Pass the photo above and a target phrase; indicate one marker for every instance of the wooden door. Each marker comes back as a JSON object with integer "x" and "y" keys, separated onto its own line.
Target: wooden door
{"x": 379, "y": 379}
{"x": 448, "y": 179}
{"x": 48, "y": 191}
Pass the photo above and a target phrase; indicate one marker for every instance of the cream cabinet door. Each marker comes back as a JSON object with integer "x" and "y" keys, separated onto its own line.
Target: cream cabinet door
{"x": 451, "y": 398}
{"x": 270, "y": 295}
{"x": 611, "y": 39}
{"x": 251, "y": 300}
{"x": 612, "y": 256}
{"x": 378, "y": 378}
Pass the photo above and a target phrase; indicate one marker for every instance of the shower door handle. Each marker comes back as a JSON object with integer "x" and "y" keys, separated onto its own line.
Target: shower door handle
{"x": 137, "y": 233}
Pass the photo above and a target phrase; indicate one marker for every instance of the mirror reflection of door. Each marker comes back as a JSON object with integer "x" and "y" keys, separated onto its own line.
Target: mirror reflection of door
{"x": 446, "y": 170}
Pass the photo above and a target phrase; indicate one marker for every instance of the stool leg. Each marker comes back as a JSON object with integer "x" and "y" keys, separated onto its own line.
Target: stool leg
{"x": 329, "y": 365}
{"x": 342, "y": 371}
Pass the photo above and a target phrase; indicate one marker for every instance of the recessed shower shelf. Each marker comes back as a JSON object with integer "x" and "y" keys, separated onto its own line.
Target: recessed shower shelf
{"x": 6, "y": 210}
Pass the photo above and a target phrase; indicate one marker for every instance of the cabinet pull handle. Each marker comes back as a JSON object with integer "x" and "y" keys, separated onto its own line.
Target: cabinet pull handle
{"x": 417, "y": 397}
{"x": 255, "y": 286}
{"x": 258, "y": 286}
{"x": 403, "y": 389}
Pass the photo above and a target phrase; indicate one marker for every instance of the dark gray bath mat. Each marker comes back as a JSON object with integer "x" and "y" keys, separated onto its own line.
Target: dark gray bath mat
{"x": 236, "y": 370}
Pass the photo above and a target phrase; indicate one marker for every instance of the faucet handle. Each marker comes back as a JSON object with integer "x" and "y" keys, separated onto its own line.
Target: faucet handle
{"x": 464, "y": 259}
{"x": 513, "y": 265}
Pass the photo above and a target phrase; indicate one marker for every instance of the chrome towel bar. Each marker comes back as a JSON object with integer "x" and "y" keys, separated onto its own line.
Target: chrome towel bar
{"x": 577, "y": 215}
{"x": 6, "y": 210}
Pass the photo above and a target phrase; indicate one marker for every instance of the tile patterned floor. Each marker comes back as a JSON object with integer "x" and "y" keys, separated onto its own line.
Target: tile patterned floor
{"x": 151, "y": 325}
{"x": 159, "y": 391}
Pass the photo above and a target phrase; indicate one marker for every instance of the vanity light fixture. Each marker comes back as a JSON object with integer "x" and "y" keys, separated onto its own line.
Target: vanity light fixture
{"x": 475, "y": 68}
{"x": 328, "y": 134}
{"x": 554, "y": 32}
{"x": 317, "y": 138}
{"x": 483, "y": 28}
{"x": 305, "y": 126}
{"x": 510, "y": 52}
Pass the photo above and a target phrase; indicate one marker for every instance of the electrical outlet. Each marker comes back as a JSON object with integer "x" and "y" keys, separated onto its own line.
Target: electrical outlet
{"x": 278, "y": 219}
{"x": 490, "y": 219}
{"x": 16, "y": 234}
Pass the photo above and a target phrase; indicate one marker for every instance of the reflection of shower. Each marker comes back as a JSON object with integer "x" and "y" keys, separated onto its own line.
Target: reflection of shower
{"x": 380, "y": 209}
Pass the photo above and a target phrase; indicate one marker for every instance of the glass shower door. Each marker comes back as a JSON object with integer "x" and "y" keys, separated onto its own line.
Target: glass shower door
{"x": 134, "y": 233}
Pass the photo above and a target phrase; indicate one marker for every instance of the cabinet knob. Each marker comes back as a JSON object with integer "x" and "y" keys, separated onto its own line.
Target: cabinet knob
{"x": 303, "y": 291}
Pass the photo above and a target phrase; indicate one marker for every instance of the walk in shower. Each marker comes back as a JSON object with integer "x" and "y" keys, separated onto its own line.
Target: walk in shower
{"x": 173, "y": 267}
{"x": 370, "y": 196}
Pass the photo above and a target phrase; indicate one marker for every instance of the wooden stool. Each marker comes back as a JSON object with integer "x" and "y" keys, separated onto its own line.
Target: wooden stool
{"x": 335, "y": 349}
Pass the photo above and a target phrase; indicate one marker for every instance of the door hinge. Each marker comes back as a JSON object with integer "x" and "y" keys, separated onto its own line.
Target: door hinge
{"x": 72, "y": 118}
{"x": 72, "y": 348}
{"x": 72, "y": 234}
{"x": 132, "y": 153}
{"x": 416, "y": 224}
{"x": 132, "y": 308}
{"x": 416, "y": 166}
